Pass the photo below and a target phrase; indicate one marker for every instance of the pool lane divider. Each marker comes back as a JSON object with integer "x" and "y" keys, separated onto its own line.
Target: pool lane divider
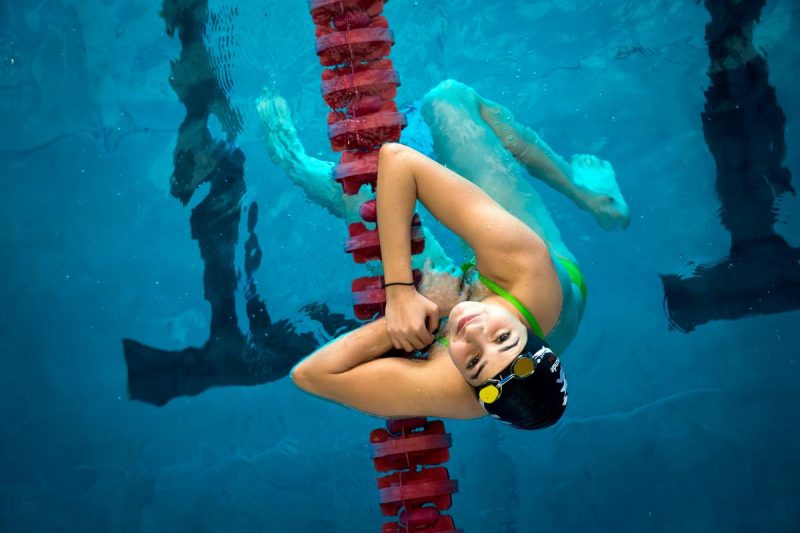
{"x": 359, "y": 84}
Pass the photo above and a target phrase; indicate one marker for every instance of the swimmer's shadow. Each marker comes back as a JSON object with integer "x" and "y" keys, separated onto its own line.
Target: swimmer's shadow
{"x": 757, "y": 279}
{"x": 228, "y": 358}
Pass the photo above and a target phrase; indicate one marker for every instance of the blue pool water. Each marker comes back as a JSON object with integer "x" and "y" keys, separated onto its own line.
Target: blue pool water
{"x": 666, "y": 430}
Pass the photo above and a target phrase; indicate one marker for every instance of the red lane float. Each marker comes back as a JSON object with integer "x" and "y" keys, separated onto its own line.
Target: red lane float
{"x": 351, "y": 46}
{"x": 365, "y": 132}
{"x": 376, "y": 78}
{"x": 369, "y": 298}
{"x": 356, "y": 169}
{"x": 353, "y": 38}
{"x": 410, "y": 443}
{"x": 419, "y": 494}
{"x": 368, "y": 211}
{"x": 323, "y": 12}
{"x": 365, "y": 245}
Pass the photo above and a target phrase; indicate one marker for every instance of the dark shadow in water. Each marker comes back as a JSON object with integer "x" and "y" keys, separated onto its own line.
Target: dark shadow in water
{"x": 228, "y": 357}
{"x": 744, "y": 130}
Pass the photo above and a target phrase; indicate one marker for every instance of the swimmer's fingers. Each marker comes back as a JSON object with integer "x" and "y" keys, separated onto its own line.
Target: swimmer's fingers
{"x": 407, "y": 323}
{"x": 409, "y": 343}
{"x": 418, "y": 338}
{"x": 404, "y": 345}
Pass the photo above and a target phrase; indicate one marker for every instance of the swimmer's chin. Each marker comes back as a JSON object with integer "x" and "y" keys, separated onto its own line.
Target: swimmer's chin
{"x": 455, "y": 311}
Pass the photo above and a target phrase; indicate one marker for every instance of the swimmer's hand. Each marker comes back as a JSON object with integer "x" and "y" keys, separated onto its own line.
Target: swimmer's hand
{"x": 443, "y": 287}
{"x": 411, "y": 318}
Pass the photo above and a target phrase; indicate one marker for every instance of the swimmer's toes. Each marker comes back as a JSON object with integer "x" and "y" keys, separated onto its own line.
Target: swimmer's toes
{"x": 596, "y": 162}
{"x": 609, "y": 212}
{"x": 603, "y": 198}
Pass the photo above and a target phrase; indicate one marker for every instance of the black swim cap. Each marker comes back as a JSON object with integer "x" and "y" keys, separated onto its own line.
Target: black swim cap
{"x": 537, "y": 401}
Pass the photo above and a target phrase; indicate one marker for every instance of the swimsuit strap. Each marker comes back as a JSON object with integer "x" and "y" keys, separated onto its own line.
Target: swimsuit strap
{"x": 574, "y": 274}
{"x": 500, "y": 291}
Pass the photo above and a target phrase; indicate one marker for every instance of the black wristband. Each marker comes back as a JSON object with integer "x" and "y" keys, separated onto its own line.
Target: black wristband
{"x": 398, "y": 283}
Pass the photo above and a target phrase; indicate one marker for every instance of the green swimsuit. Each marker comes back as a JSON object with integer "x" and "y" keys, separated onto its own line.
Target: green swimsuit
{"x": 570, "y": 278}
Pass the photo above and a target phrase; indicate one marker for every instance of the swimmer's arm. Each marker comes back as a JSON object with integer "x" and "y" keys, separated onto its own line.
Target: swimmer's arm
{"x": 396, "y": 195}
{"x": 504, "y": 245}
{"x": 346, "y": 352}
{"x": 349, "y": 371}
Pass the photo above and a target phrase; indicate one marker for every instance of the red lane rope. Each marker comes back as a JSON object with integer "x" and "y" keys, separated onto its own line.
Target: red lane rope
{"x": 363, "y": 117}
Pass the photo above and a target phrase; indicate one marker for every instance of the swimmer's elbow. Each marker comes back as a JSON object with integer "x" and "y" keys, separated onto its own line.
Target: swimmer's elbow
{"x": 305, "y": 377}
{"x": 300, "y": 378}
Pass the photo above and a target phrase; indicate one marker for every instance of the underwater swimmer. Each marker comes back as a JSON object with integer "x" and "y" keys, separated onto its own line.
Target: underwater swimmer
{"x": 508, "y": 316}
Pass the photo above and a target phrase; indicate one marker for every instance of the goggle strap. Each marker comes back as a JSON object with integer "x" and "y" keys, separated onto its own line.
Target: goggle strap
{"x": 499, "y": 385}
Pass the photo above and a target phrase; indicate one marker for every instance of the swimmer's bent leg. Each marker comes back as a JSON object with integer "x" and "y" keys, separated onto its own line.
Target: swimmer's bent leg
{"x": 531, "y": 151}
{"x": 588, "y": 181}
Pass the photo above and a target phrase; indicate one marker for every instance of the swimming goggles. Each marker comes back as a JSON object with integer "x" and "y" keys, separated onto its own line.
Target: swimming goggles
{"x": 521, "y": 367}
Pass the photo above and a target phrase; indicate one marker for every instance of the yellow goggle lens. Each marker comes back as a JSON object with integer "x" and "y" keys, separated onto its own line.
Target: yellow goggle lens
{"x": 489, "y": 394}
{"x": 523, "y": 367}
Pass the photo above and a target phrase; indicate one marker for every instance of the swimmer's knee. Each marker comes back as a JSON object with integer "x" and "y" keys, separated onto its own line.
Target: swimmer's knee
{"x": 450, "y": 90}
{"x": 448, "y": 84}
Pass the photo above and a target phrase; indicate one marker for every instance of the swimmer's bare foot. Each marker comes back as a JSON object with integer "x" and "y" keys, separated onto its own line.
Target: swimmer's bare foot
{"x": 281, "y": 137}
{"x": 600, "y": 194}
{"x": 586, "y": 180}
{"x": 285, "y": 149}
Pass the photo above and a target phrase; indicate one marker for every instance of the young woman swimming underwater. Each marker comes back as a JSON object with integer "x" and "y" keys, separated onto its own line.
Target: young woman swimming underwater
{"x": 502, "y": 322}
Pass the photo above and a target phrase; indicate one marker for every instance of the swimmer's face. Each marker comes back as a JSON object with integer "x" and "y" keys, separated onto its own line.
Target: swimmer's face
{"x": 487, "y": 342}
